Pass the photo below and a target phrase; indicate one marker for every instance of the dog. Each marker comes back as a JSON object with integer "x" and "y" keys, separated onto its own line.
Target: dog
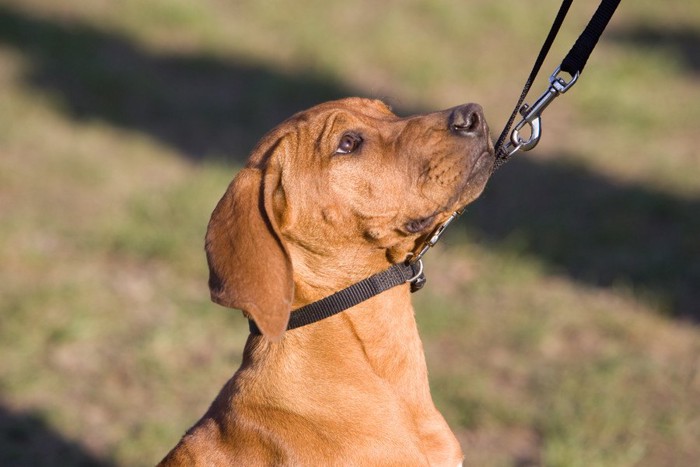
{"x": 329, "y": 197}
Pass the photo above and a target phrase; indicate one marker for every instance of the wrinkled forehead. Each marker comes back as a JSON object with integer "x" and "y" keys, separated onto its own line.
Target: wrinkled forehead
{"x": 309, "y": 130}
{"x": 372, "y": 108}
{"x": 345, "y": 111}
{"x": 367, "y": 116}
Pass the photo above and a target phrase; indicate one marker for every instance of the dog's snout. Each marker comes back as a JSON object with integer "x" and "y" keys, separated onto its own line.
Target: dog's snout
{"x": 468, "y": 120}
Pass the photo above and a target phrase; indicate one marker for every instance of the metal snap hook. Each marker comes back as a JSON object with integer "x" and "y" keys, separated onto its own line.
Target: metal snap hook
{"x": 535, "y": 125}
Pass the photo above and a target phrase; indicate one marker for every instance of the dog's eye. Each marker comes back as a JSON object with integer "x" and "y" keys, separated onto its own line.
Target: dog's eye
{"x": 348, "y": 143}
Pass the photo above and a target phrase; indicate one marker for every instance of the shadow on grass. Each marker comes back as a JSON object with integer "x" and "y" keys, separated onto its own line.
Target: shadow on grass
{"x": 595, "y": 229}
{"x": 26, "y": 440}
{"x": 682, "y": 41}
{"x": 201, "y": 105}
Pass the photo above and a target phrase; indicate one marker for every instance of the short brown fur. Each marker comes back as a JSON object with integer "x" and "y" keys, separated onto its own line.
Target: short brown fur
{"x": 301, "y": 221}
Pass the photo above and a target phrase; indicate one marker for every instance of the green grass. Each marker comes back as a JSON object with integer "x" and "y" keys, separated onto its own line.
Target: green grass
{"x": 560, "y": 315}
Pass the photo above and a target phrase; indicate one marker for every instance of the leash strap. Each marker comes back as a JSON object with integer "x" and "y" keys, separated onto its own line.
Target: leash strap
{"x": 351, "y": 296}
{"x": 501, "y": 155}
{"x": 573, "y": 64}
{"x": 576, "y": 59}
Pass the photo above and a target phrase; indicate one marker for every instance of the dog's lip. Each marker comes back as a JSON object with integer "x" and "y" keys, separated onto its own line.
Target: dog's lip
{"x": 481, "y": 168}
{"x": 481, "y": 156}
{"x": 488, "y": 155}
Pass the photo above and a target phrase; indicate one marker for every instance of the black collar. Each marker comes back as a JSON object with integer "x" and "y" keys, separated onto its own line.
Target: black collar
{"x": 355, "y": 294}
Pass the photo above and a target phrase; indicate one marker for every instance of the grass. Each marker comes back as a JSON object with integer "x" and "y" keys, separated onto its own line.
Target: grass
{"x": 560, "y": 316}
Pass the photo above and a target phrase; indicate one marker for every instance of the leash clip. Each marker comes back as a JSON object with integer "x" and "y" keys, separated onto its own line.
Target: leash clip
{"x": 418, "y": 280}
{"x": 435, "y": 236}
{"x": 532, "y": 115}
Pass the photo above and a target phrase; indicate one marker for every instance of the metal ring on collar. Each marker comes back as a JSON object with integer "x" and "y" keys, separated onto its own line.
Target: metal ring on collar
{"x": 418, "y": 274}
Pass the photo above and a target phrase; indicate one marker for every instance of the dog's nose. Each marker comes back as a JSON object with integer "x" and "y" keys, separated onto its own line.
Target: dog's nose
{"x": 468, "y": 120}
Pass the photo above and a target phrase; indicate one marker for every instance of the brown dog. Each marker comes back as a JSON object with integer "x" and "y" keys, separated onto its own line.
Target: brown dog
{"x": 331, "y": 196}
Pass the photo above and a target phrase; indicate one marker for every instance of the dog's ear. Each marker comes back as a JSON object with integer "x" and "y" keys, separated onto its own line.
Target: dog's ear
{"x": 249, "y": 266}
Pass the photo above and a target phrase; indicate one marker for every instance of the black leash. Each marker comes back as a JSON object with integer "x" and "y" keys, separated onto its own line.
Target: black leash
{"x": 501, "y": 155}
{"x": 573, "y": 64}
{"x": 576, "y": 59}
{"x": 412, "y": 272}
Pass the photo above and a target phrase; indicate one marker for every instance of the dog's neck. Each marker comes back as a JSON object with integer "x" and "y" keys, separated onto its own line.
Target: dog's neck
{"x": 320, "y": 274}
{"x": 386, "y": 329}
{"x": 367, "y": 357}
{"x": 382, "y": 327}
{"x": 377, "y": 339}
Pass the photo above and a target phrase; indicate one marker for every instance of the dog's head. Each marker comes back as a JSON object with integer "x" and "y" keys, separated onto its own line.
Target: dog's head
{"x": 343, "y": 182}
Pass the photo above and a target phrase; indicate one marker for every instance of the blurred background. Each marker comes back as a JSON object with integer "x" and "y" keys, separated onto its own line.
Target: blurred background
{"x": 561, "y": 316}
